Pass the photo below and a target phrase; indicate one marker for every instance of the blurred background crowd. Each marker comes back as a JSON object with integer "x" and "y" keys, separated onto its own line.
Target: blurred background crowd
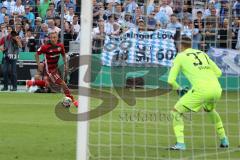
{"x": 210, "y": 23}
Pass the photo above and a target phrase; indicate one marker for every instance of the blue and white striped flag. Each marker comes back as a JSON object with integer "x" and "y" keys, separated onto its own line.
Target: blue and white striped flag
{"x": 140, "y": 49}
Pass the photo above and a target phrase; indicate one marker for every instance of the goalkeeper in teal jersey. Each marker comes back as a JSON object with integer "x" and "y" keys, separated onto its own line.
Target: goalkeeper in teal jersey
{"x": 203, "y": 75}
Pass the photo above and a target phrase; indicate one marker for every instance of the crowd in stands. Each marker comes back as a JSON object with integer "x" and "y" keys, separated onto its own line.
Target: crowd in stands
{"x": 209, "y": 22}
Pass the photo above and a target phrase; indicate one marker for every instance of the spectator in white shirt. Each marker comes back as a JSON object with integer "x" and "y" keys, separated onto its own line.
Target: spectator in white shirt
{"x": 69, "y": 16}
{"x": 165, "y": 8}
{"x": 76, "y": 26}
{"x": 118, "y": 12}
{"x": 8, "y": 5}
{"x": 108, "y": 27}
{"x": 17, "y": 8}
{"x": 52, "y": 27}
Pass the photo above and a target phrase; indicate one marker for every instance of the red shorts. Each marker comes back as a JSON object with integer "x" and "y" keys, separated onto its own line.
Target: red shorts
{"x": 53, "y": 76}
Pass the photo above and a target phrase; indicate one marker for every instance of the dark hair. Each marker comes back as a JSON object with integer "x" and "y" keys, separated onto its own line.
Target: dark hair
{"x": 186, "y": 41}
{"x": 14, "y": 33}
{"x": 51, "y": 4}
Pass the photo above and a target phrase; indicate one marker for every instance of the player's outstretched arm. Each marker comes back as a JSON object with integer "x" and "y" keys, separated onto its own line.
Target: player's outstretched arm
{"x": 215, "y": 68}
{"x": 37, "y": 56}
{"x": 173, "y": 74}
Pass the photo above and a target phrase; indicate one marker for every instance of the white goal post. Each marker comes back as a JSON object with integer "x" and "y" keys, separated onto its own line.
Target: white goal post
{"x": 85, "y": 49}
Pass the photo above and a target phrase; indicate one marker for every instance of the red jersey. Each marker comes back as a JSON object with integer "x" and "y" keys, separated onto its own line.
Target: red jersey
{"x": 51, "y": 55}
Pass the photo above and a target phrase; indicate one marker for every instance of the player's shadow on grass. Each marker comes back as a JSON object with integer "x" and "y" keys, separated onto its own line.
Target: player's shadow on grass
{"x": 109, "y": 103}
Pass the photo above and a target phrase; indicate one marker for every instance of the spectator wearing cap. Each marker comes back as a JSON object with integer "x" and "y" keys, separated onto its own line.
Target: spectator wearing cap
{"x": 141, "y": 26}
{"x": 18, "y": 9}
{"x": 69, "y": 16}
{"x": 30, "y": 16}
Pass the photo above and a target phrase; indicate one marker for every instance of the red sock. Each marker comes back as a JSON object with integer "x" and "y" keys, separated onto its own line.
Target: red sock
{"x": 40, "y": 83}
{"x": 67, "y": 93}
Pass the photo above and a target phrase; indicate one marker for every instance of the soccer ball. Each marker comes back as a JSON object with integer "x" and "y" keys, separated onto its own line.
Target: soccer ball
{"x": 67, "y": 101}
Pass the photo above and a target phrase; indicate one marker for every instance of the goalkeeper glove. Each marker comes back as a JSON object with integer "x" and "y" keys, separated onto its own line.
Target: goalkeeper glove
{"x": 182, "y": 91}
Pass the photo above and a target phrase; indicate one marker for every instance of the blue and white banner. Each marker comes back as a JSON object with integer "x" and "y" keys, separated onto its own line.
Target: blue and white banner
{"x": 140, "y": 49}
{"x": 228, "y": 60}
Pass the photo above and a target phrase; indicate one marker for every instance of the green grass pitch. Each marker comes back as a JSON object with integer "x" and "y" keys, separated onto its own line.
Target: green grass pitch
{"x": 30, "y": 130}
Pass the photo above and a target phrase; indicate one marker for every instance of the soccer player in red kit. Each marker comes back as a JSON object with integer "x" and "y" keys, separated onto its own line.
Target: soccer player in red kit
{"x": 52, "y": 53}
